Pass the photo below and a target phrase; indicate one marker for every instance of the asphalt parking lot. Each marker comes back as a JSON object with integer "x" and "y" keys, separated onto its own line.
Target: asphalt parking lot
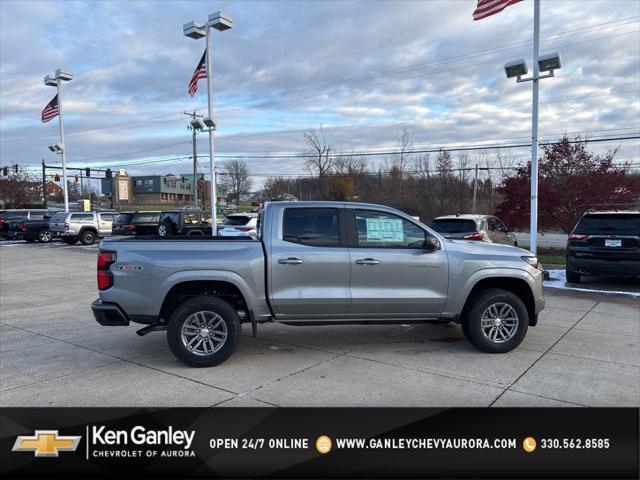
{"x": 584, "y": 352}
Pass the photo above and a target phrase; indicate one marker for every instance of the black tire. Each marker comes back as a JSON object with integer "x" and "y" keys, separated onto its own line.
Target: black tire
{"x": 88, "y": 237}
{"x": 480, "y": 303}
{"x": 44, "y": 236}
{"x": 203, "y": 303}
{"x": 70, "y": 240}
{"x": 572, "y": 277}
{"x": 165, "y": 229}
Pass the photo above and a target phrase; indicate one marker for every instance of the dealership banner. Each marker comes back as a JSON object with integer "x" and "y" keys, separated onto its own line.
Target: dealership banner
{"x": 319, "y": 443}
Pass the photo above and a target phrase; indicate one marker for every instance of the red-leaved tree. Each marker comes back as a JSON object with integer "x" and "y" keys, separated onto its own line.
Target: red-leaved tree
{"x": 570, "y": 180}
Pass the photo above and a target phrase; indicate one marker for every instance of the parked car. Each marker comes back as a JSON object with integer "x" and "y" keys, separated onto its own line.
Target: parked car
{"x": 186, "y": 222}
{"x": 10, "y": 215}
{"x": 136, "y": 223}
{"x": 239, "y": 224}
{"x": 605, "y": 242}
{"x": 30, "y": 230}
{"x": 84, "y": 226}
{"x": 316, "y": 263}
{"x": 484, "y": 228}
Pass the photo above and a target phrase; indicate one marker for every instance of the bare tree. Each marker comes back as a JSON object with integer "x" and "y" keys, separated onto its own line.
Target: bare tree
{"x": 350, "y": 165}
{"x": 320, "y": 161}
{"x": 19, "y": 188}
{"x": 235, "y": 179}
{"x": 402, "y": 157}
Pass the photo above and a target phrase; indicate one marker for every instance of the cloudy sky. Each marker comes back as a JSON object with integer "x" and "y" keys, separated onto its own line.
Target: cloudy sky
{"x": 364, "y": 70}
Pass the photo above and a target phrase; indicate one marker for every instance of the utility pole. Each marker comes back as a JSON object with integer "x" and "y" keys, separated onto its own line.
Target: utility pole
{"x": 475, "y": 190}
{"x": 44, "y": 184}
{"x": 194, "y": 185}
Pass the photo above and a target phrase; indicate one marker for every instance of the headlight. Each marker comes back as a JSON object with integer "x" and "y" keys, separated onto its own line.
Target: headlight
{"x": 533, "y": 261}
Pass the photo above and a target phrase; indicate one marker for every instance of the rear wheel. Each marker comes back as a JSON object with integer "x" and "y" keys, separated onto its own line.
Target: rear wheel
{"x": 203, "y": 331}
{"x": 165, "y": 229}
{"x": 70, "y": 240}
{"x": 495, "y": 321}
{"x": 573, "y": 277}
{"x": 87, "y": 237}
{"x": 44, "y": 236}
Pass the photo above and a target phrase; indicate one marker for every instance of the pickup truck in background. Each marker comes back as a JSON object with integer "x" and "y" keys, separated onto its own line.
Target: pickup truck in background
{"x": 316, "y": 263}
{"x": 30, "y": 230}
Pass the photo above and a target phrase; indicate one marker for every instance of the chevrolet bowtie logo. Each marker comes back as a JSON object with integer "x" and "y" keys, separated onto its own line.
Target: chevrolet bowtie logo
{"x": 45, "y": 443}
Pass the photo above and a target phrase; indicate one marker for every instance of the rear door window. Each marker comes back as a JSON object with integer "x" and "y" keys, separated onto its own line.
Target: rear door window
{"x": 454, "y": 226}
{"x": 627, "y": 224}
{"x": 236, "y": 220}
{"x": 123, "y": 218}
{"x": 317, "y": 227}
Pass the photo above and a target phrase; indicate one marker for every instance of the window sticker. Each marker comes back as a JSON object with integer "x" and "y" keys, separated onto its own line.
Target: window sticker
{"x": 384, "y": 230}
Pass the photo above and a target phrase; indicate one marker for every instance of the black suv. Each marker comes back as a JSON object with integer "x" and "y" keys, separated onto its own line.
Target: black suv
{"x": 184, "y": 222}
{"x": 136, "y": 223}
{"x": 605, "y": 242}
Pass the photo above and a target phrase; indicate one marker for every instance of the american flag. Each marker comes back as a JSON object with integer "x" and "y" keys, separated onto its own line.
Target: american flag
{"x": 486, "y": 8}
{"x": 201, "y": 72}
{"x": 51, "y": 110}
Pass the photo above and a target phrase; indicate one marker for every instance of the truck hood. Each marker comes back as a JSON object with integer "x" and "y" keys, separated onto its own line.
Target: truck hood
{"x": 476, "y": 248}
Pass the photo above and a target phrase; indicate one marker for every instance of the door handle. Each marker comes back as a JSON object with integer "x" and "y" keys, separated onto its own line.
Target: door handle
{"x": 290, "y": 261}
{"x": 367, "y": 261}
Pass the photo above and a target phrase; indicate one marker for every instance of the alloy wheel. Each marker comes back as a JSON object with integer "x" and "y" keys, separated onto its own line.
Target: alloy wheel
{"x": 204, "y": 333}
{"x": 499, "y": 322}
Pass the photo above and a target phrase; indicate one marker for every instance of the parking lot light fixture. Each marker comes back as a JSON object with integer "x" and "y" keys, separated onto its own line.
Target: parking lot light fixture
{"x": 541, "y": 63}
{"x": 219, "y": 21}
{"x": 56, "y": 80}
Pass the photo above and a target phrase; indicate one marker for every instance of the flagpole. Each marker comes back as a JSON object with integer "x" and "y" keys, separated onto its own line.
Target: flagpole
{"x": 214, "y": 223}
{"x": 533, "y": 241}
{"x": 64, "y": 147}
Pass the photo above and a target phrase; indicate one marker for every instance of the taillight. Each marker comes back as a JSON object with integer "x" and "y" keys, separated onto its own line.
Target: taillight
{"x": 129, "y": 227}
{"x": 244, "y": 229}
{"x": 577, "y": 236}
{"x": 105, "y": 278}
{"x": 66, "y": 226}
{"x": 474, "y": 236}
{"x": 23, "y": 227}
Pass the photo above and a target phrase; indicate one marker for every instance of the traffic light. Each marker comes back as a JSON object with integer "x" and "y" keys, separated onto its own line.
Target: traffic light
{"x": 87, "y": 172}
{"x": 107, "y": 174}
{"x": 5, "y": 171}
{"x": 15, "y": 168}
{"x": 57, "y": 178}
{"x": 76, "y": 178}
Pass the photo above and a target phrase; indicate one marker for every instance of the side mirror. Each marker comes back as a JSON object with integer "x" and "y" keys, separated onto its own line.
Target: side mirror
{"x": 431, "y": 244}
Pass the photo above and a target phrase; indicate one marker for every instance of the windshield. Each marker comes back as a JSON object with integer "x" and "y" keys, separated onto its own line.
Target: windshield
{"x": 453, "y": 226}
{"x": 609, "y": 223}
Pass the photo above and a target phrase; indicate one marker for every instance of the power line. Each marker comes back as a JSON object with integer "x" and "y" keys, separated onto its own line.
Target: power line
{"x": 382, "y": 153}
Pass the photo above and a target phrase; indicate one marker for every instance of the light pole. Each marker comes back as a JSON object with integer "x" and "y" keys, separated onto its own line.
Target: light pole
{"x": 56, "y": 81}
{"x": 220, "y": 21}
{"x": 517, "y": 68}
{"x": 195, "y": 124}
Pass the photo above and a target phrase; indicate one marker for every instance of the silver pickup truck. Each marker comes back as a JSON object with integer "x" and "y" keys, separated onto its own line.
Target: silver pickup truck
{"x": 316, "y": 263}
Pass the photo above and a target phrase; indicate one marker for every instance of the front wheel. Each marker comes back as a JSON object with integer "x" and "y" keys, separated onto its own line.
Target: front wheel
{"x": 495, "y": 321}
{"x": 203, "y": 331}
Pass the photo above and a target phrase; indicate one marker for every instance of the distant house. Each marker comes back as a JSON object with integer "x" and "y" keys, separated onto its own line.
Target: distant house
{"x": 54, "y": 191}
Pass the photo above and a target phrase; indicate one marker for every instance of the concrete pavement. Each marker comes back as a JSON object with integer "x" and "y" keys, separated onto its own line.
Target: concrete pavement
{"x": 584, "y": 352}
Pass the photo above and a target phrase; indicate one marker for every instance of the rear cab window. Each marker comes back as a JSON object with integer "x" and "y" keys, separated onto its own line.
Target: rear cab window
{"x": 59, "y": 217}
{"x": 316, "y": 227}
{"x": 236, "y": 220}
{"x": 123, "y": 218}
{"x": 145, "y": 217}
